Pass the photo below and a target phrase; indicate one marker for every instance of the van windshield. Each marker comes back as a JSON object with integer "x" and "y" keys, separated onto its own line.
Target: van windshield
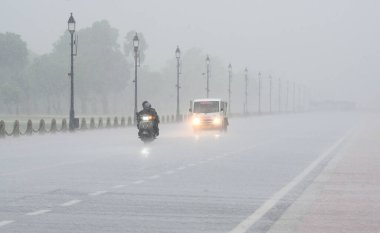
{"x": 206, "y": 106}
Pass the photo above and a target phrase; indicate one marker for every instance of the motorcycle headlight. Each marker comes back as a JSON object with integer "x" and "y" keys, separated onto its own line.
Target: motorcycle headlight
{"x": 146, "y": 118}
{"x": 196, "y": 121}
{"x": 217, "y": 121}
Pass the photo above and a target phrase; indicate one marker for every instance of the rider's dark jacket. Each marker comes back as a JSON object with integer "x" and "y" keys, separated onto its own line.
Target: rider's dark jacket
{"x": 150, "y": 111}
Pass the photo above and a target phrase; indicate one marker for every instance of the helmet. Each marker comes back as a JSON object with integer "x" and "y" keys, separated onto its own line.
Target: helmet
{"x": 146, "y": 105}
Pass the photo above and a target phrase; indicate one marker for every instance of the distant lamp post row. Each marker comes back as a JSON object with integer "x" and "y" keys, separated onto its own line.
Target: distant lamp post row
{"x": 74, "y": 122}
{"x": 294, "y": 101}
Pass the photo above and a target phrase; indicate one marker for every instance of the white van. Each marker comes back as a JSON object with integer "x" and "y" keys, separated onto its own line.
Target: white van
{"x": 209, "y": 114}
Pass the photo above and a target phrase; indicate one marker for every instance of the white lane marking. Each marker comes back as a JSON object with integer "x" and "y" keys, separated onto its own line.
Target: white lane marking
{"x": 38, "y": 212}
{"x": 118, "y": 186}
{"x": 70, "y": 203}
{"x": 5, "y": 222}
{"x": 154, "y": 177}
{"x": 97, "y": 193}
{"x": 191, "y": 165}
{"x": 138, "y": 182}
{"x": 244, "y": 226}
{"x": 169, "y": 172}
{"x": 180, "y": 168}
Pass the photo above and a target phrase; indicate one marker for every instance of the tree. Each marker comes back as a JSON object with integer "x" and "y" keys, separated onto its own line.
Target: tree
{"x": 14, "y": 53}
{"x": 100, "y": 69}
{"x": 101, "y": 66}
{"x": 48, "y": 80}
{"x": 128, "y": 45}
{"x": 13, "y": 61}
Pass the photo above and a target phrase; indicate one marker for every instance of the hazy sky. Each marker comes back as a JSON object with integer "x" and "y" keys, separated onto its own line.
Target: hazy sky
{"x": 331, "y": 45}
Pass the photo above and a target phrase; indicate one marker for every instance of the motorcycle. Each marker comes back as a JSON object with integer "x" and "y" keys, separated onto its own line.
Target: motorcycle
{"x": 146, "y": 128}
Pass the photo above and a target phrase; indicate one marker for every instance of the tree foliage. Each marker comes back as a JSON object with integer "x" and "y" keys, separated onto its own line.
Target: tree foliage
{"x": 102, "y": 75}
{"x": 13, "y": 61}
{"x": 128, "y": 45}
{"x": 100, "y": 68}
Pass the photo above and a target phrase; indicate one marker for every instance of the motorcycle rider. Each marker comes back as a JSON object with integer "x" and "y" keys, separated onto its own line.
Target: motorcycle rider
{"x": 147, "y": 109}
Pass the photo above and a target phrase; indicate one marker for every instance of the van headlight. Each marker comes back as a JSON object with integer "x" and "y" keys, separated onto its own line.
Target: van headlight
{"x": 217, "y": 121}
{"x": 196, "y": 121}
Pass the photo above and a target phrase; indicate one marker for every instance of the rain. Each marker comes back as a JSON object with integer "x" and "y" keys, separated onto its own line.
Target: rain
{"x": 189, "y": 116}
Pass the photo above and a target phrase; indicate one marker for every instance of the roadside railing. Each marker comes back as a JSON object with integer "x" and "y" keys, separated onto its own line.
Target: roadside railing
{"x": 17, "y": 129}
{"x": 91, "y": 123}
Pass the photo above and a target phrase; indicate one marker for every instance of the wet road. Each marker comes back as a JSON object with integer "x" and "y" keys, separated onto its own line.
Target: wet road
{"x": 108, "y": 181}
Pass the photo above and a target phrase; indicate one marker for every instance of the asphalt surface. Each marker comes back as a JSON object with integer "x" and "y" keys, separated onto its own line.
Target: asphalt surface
{"x": 108, "y": 181}
{"x": 345, "y": 196}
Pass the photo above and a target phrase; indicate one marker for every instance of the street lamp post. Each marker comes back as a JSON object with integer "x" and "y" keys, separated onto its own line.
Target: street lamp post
{"x": 208, "y": 76}
{"x": 287, "y": 96}
{"x": 279, "y": 95}
{"x": 259, "y": 105}
{"x": 136, "y": 49}
{"x": 294, "y": 96}
{"x": 178, "y": 56}
{"x": 270, "y": 94}
{"x": 229, "y": 87}
{"x": 73, "y": 122}
{"x": 246, "y": 91}
{"x": 305, "y": 97}
{"x": 300, "y": 97}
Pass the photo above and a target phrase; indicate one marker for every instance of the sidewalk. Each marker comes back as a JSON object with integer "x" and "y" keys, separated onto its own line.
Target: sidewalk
{"x": 345, "y": 197}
